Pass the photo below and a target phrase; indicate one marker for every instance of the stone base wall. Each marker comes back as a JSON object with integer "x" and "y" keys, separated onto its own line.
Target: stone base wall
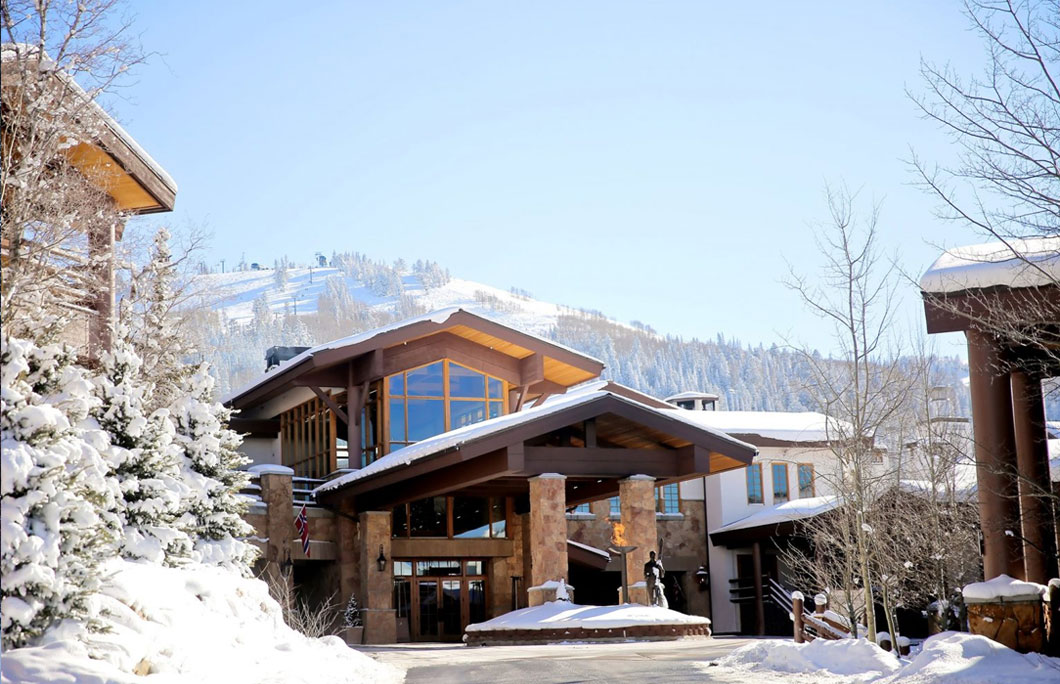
{"x": 1020, "y": 626}
{"x": 380, "y": 626}
{"x": 518, "y": 637}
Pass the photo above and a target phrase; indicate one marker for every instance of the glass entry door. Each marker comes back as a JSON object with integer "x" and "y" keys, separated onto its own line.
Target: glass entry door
{"x": 439, "y": 597}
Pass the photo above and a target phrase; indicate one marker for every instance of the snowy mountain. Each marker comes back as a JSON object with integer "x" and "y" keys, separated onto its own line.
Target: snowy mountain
{"x": 245, "y": 312}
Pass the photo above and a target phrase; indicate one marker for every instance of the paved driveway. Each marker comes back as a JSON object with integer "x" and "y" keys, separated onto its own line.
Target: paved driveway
{"x": 645, "y": 662}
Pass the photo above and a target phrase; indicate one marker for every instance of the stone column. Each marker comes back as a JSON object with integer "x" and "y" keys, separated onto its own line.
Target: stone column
{"x": 380, "y": 621}
{"x": 279, "y": 523}
{"x": 1032, "y": 459}
{"x": 548, "y": 536}
{"x": 349, "y": 556}
{"x": 995, "y": 457}
{"x": 760, "y": 601}
{"x": 636, "y": 496}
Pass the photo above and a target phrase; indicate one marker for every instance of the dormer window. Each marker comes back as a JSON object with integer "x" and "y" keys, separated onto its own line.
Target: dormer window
{"x": 439, "y": 397}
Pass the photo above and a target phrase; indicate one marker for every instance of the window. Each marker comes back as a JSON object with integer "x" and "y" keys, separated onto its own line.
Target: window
{"x": 441, "y": 396}
{"x": 452, "y": 517}
{"x": 615, "y": 507}
{"x": 806, "y": 480}
{"x": 780, "y": 483}
{"x": 754, "y": 484}
{"x": 582, "y": 509}
{"x": 667, "y": 500}
{"x": 689, "y": 404}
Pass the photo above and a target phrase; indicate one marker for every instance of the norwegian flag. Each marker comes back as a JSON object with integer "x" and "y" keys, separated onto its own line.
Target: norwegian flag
{"x": 301, "y": 523}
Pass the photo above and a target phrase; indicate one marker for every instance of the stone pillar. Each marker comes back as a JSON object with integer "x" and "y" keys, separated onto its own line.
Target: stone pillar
{"x": 380, "y": 621}
{"x": 636, "y": 496}
{"x": 548, "y": 536}
{"x": 349, "y": 556}
{"x": 995, "y": 457}
{"x": 279, "y": 523}
{"x": 1032, "y": 459}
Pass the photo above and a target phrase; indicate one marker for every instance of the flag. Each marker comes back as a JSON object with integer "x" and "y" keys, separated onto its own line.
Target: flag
{"x": 301, "y": 523}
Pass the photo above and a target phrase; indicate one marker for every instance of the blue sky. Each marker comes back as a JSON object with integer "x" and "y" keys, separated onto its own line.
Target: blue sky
{"x": 656, "y": 161}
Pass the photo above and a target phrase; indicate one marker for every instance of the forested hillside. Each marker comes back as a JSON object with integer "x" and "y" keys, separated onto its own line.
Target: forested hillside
{"x": 248, "y": 311}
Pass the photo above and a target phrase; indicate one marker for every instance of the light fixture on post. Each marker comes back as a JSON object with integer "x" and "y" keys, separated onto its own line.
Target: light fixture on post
{"x": 381, "y": 560}
{"x": 702, "y": 578}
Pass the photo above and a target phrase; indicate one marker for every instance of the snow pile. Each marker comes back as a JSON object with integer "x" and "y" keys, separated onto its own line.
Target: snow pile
{"x": 566, "y": 615}
{"x": 195, "y": 624}
{"x": 956, "y": 658}
{"x": 947, "y": 658}
{"x": 1002, "y": 587}
{"x": 859, "y": 659}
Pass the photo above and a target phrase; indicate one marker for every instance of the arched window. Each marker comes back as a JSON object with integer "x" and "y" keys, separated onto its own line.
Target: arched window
{"x": 438, "y": 397}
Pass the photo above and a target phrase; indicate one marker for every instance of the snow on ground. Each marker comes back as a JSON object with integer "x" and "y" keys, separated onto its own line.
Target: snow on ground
{"x": 947, "y": 658}
{"x": 566, "y": 615}
{"x": 195, "y": 625}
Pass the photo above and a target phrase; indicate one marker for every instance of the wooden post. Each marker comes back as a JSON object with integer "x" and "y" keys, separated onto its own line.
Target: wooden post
{"x": 796, "y": 615}
{"x": 820, "y": 604}
{"x": 1032, "y": 460}
{"x": 995, "y": 457}
{"x": 760, "y": 608}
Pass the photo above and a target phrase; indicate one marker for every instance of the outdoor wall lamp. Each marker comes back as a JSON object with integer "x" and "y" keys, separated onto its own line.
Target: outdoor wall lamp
{"x": 381, "y": 561}
{"x": 702, "y": 578}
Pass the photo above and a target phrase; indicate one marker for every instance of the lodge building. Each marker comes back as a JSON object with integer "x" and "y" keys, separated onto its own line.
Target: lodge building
{"x": 456, "y": 469}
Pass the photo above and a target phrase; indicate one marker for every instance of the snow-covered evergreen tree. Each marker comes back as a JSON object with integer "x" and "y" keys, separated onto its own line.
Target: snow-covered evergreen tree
{"x": 212, "y": 507}
{"x": 55, "y": 491}
{"x": 144, "y": 460}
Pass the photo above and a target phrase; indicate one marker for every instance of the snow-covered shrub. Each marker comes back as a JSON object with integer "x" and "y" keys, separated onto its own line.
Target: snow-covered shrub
{"x": 213, "y": 508}
{"x": 144, "y": 460}
{"x": 55, "y": 491}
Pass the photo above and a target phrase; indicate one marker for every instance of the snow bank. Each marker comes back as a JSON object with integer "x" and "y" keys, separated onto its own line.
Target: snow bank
{"x": 1002, "y": 587}
{"x": 197, "y": 624}
{"x": 859, "y": 659}
{"x": 947, "y": 658}
{"x": 956, "y": 658}
{"x": 566, "y": 615}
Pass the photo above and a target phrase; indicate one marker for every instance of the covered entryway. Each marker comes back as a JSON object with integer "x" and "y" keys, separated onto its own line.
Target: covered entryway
{"x": 435, "y": 599}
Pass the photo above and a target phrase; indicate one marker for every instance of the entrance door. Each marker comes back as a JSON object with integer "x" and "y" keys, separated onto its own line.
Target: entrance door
{"x": 443, "y": 597}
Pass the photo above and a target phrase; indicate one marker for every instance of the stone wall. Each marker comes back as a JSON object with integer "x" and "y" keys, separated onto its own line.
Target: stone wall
{"x": 1018, "y": 625}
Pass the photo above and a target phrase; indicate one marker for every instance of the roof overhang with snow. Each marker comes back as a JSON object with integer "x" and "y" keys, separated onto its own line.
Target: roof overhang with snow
{"x": 112, "y": 161}
{"x": 780, "y": 520}
{"x": 594, "y": 438}
{"x": 526, "y": 361}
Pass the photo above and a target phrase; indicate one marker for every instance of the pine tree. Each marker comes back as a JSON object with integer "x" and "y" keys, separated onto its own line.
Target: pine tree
{"x": 55, "y": 491}
{"x": 144, "y": 460}
{"x": 212, "y": 508}
{"x": 351, "y": 617}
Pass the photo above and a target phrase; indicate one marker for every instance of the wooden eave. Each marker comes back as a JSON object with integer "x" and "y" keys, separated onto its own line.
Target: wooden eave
{"x": 520, "y": 359}
{"x": 959, "y": 311}
{"x": 501, "y": 462}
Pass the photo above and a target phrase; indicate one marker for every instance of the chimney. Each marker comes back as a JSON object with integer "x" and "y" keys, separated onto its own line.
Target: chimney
{"x": 274, "y": 356}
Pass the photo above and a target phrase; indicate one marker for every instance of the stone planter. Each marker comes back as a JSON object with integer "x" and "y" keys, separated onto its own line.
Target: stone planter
{"x": 354, "y": 636}
{"x": 1016, "y": 623}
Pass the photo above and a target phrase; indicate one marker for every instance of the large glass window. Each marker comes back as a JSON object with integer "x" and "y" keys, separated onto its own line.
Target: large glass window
{"x": 754, "y": 484}
{"x": 458, "y": 517}
{"x": 806, "y": 483}
{"x": 614, "y": 507}
{"x": 780, "y": 483}
{"x": 441, "y": 396}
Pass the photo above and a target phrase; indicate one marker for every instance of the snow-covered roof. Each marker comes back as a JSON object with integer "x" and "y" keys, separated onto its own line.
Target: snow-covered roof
{"x": 455, "y": 439}
{"x": 440, "y": 316}
{"x": 797, "y": 509}
{"x": 12, "y": 51}
{"x": 1020, "y": 263}
{"x": 692, "y": 395}
{"x": 789, "y": 426}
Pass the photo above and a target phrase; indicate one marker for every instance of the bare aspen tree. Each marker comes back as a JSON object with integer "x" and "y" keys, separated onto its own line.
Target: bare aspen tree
{"x": 863, "y": 389}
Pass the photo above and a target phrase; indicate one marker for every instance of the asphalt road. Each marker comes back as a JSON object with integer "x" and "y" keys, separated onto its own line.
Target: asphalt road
{"x": 645, "y": 662}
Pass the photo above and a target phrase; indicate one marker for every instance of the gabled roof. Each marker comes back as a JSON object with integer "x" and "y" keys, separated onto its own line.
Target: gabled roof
{"x": 682, "y": 448}
{"x": 561, "y": 365}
